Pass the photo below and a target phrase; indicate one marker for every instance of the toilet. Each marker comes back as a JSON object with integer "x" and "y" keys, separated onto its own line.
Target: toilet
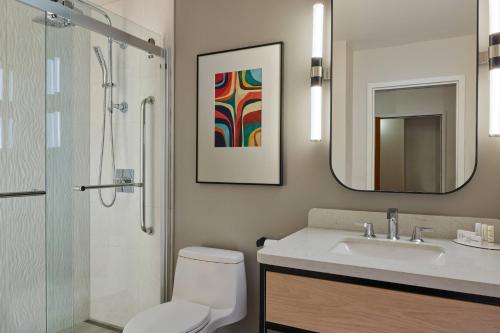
{"x": 209, "y": 293}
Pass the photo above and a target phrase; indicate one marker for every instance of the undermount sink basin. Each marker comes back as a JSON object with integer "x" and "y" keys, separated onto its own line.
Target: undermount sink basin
{"x": 401, "y": 250}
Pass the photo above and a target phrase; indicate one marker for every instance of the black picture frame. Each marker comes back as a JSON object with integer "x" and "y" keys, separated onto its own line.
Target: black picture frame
{"x": 280, "y": 125}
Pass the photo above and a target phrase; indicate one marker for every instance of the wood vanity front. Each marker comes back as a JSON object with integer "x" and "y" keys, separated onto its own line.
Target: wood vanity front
{"x": 301, "y": 301}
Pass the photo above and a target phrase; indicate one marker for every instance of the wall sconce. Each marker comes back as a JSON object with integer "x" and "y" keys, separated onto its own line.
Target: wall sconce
{"x": 317, "y": 72}
{"x": 494, "y": 62}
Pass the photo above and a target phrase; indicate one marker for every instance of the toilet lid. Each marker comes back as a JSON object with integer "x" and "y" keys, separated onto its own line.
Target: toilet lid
{"x": 172, "y": 317}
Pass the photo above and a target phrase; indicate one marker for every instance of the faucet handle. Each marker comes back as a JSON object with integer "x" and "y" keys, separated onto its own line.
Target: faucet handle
{"x": 416, "y": 237}
{"x": 369, "y": 231}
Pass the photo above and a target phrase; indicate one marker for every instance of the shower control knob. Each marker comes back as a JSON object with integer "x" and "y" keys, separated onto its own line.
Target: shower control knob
{"x": 123, "y": 107}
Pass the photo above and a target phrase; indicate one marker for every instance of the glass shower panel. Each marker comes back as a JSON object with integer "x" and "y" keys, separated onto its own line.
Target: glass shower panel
{"x": 67, "y": 97}
{"x": 22, "y": 165}
{"x": 22, "y": 74}
{"x": 125, "y": 262}
{"x": 22, "y": 265}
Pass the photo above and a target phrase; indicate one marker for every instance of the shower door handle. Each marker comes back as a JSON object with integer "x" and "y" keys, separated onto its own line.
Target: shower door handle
{"x": 21, "y": 194}
{"x": 83, "y": 188}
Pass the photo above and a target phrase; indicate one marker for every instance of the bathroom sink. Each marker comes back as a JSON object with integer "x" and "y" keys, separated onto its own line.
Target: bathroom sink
{"x": 401, "y": 250}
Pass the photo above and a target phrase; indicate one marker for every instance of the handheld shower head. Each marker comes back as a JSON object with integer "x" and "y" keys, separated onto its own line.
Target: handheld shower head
{"x": 102, "y": 63}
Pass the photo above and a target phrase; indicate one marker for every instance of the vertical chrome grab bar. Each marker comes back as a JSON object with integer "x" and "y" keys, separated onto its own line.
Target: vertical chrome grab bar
{"x": 144, "y": 228}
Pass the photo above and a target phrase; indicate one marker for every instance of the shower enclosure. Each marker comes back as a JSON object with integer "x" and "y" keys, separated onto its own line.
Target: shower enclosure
{"x": 84, "y": 158}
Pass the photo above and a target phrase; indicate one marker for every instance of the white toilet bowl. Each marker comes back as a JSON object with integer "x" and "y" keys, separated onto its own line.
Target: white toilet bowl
{"x": 176, "y": 316}
{"x": 209, "y": 293}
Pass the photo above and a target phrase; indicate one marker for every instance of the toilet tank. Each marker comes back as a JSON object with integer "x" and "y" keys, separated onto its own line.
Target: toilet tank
{"x": 211, "y": 277}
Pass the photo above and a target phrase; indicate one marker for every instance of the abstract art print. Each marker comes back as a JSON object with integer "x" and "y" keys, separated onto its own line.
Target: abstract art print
{"x": 238, "y": 108}
{"x": 239, "y": 116}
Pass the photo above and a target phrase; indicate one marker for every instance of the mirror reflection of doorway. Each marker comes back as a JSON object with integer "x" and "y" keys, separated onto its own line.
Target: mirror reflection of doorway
{"x": 409, "y": 153}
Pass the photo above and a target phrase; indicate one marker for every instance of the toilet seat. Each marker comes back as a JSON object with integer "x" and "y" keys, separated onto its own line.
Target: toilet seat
{"x": 172, "y": 317}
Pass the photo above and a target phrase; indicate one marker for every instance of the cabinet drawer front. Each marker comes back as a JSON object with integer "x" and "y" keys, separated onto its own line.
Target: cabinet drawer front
{"x": 328, "y": 306}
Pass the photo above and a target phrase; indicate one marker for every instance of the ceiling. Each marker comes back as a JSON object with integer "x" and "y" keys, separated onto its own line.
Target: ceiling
{"x": 381, "y": 23}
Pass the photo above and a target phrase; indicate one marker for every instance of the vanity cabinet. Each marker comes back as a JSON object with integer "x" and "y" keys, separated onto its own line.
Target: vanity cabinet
{"x": 299, "y": 301}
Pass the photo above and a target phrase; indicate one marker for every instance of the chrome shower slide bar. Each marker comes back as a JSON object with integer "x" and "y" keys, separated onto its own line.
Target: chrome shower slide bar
{"x": 83, "y": 188}
{"x": 21, "y": 194}
{"x": 94, "y": 25}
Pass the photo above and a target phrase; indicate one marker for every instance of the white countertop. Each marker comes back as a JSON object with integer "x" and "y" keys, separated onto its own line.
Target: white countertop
{"x": 465, "y": 269}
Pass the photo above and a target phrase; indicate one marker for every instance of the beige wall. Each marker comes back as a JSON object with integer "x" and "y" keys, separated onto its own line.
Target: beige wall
{"x": 234, "y": 217}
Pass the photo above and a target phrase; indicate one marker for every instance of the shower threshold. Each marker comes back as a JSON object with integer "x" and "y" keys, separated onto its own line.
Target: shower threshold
{"x": 92, "y": 326}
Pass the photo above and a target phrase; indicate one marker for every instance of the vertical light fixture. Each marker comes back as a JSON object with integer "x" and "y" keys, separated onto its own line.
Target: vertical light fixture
{"x": 317, "y": 72}
{"x": 494, "y": 61}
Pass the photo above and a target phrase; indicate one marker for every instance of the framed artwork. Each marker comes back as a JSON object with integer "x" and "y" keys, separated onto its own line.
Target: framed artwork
{"x": 239, "y": 116}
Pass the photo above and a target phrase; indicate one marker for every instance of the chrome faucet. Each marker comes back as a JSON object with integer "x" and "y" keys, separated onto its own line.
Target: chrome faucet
{"x": 416, "y": 237}
{"x": 392, "y": 224}
{"x": 369, "y": 231}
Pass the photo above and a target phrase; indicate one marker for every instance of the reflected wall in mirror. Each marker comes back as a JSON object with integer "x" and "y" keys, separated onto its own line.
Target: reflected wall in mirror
{"x": 404, "y": 94}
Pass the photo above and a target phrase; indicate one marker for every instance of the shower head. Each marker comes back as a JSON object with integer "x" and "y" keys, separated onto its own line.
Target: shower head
{"x": 53, "y": 20}
{"x": 102, "y": 63}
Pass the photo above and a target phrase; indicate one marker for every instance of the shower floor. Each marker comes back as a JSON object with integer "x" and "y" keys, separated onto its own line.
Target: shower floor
{"x": 90, "y": 328}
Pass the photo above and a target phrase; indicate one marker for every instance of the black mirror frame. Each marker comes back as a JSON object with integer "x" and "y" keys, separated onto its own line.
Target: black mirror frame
{"x": 477, "y": 117}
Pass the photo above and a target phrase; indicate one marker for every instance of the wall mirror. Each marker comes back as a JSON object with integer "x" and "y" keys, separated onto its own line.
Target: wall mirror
{"x": 404, "y": 94}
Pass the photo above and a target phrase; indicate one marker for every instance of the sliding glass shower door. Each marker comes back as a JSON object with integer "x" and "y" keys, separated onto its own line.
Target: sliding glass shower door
{"x": 22, "y": 166}
{"x": 77, "y": 115}
{"x": 102, "y": 268}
